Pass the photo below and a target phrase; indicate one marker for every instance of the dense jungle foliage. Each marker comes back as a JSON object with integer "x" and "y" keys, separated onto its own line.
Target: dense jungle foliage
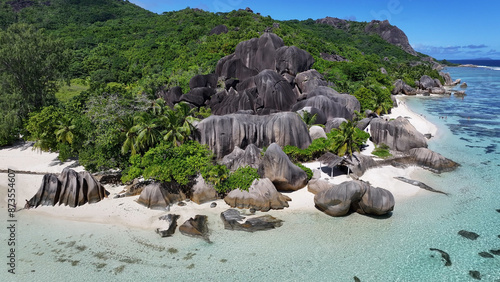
{"x": 91, "y": 69}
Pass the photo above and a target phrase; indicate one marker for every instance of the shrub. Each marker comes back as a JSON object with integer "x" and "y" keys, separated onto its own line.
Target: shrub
{"x": 382, "y": 151}
{"x": 241, "y": 179}
{"x": 306, "y": 169}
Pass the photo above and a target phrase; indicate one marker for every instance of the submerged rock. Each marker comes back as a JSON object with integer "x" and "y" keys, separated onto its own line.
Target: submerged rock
{"x": 171, "y": 225}
{"x": 467, "y": 234}
{"x": 69, "y": 188}
{"x": 231, "y": 217}
{"x": 485, "y": 255}
{"x": 444, "y": 255}
{"x": 196, "y": 227}
{"x": 419, "y": 184}
{"x": 475, "y": 274}
{"x": 495, "y": 252}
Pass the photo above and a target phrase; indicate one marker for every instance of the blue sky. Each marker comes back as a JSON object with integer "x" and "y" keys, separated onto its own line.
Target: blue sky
{"x": 442, "y": 29}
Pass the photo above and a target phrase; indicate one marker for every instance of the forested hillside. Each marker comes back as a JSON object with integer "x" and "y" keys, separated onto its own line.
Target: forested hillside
{"x": 106, "y": 60}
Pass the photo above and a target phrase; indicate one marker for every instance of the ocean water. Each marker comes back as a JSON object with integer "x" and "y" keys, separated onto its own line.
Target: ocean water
{"x": 311, "y": 246}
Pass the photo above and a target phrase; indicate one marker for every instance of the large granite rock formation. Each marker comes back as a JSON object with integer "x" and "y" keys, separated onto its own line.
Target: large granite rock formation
{"x": 308, "y": 80}
{"x": 292, "y": 60}
{"x": 200, "y": 80}
{"x": 330, "y": 102}
{"x": 285, "y": 175}
{"x": 171, "y": 96}
{"x": 274, "y": 92}
{"x": 241, "y": 158}
{"x": 231, "y": 218}
{"x": 354, "y": 196}
{"x": 262, "y": 196}
{"x": 203, "y": 192}
{"x": 398, "y": 134}
{"x": 196, "y": 227}
{"x": 219, "y": 29}
{"x": 432, "y": 160}
{"x": 319, "y": 116}
{"x": 69, "y": 188}
{"x": 400, "y": 87}
{"x": 223, "y": 133}
{"x": 391, "y": 34}
{"x": 358, "y": 164}
{"x": 334, "y": 123}
{"x": 159, "y": 195}
{"x": 335, "y": 22}
{"x": 232, "y": 101}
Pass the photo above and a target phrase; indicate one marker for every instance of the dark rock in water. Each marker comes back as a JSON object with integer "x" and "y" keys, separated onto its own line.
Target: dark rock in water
{"x": 486, "y": 255}
{"x": 284, "y": 174}
{"x": 252, "y": 210}
{"x": 170, "y": 227}
{"x": 160, "y": 196}
{"x": 232, "y": 216}
{"x": 69, "y": 188}
{"x": 419, "y": 184}
{"x": 219, "y": 29}
{"x": 475, "y": 274}
{"x": 181, "y": 204}
{"x": 495, "y": 252}
{"x": 223, "y": 133}
{"x": 444, "y": 255}
{"x": 356, "y": 279}
{"x": 196, "y": 227}
{"x": 262, "y": 195}
{"x": 428, "y": 136}
{"x": 498, "y": 210}
{"x": 213, "y": 205}
{"x": 398, "y": 134}
{"x": 468, "y": 234}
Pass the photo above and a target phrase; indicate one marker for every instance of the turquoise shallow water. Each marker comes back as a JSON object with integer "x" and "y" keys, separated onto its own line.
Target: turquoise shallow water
{"x": 312, "y": 246}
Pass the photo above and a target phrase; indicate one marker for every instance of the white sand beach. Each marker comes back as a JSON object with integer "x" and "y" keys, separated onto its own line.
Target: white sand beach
{"x": 127, "y": 212}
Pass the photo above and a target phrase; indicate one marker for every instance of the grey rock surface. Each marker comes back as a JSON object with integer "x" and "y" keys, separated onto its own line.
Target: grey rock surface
{"x": 398, "y": 134}
{"x": 261, "y": 196}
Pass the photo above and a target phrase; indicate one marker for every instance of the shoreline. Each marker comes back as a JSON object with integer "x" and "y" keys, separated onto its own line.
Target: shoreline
{"x": 127, "y": 212}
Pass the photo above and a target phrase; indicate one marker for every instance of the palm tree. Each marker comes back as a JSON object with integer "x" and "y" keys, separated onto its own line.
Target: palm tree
{"x": 179, "y": 124}
{"x": 348, "y": 139}
{"x": 308, "y": 118}
{"x": 148, "y": 131}
{"x": 64, "y": 131}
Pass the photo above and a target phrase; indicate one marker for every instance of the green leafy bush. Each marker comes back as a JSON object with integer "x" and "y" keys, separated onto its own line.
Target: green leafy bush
{"x": 306, "y": 169}
{"x": 241, "y": 179}
{"x": 382, "y": 151}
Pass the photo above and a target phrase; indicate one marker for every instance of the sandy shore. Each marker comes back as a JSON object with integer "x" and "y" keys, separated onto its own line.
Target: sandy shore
{"x": 127, "y": 212}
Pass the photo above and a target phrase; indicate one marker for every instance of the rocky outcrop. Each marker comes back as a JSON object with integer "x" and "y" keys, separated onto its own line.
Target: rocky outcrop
{"x": 262, "y": 196}
{"x": 200, "y": 80}
{"x": 220, "y": 29}
{"x": 231, "y": 218}
{"x": 196, "y": 227}
{"x": 391, "y": 34}
{"x": 358, "y": 164}
{"x": 432, "y": 160}
{"x": 171, "y": 96}
{"x": 398, "y": 134}
{"x": 308, "y": 80}
{"x": 333, "y": 57}
{"x": 316, "y": 184}
{"x": 356, "y": 196}
{"x": 241, "y": 158}
{"x": 198, "y": 96}
{"x": 334, "y": 123}
{"x": 319, "y": 116}
{"x": 376, "y": 201}
{"x": 223, "y": 133}
{"x": 225, "y": 102}
{"x": 317, "y": 132}
{"x": 426, "y": 82}
{"x": 274, "y": 92}
{"x": 292, "y": 60}
{"x": 335, "y": 22}
{"x": 69, "y": 188}
{"x": 160, "y": 196}
{"x": 170, "y": 224}
{"x": 285, "y": 175}
{"x": 203, "y": 192}
{"x": 400, "y": 87}
{"x": 330, "y": 102}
